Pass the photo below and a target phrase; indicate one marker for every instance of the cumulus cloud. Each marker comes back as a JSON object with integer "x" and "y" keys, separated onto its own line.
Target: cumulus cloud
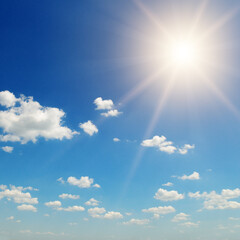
{"x": 17, "y": 194}
{"x": 72, "y": 209}
{"x": 160, "y": 210}
{"x": 165, "y": 195}
{"x": 165, "y": 146}
{"x": 190, "y": 224}
{"x": 137, "y": 221}
{"x": 111, "y": 113}
{"x": 89, "y": 128}
{"x": 101, "y": 213}
{"x": 103, "y": 104}
{"x": 7, "y": 149}
{"x": 69, "y": 196}
{"x": 220, "y": 201}
{"x": 180, "y": 217}
{"x": 116, "y": 139}
{"x": 26, "y": 120}
{"x": 168, "y": 184}
{"x": 83, "y": 182}
{"x": 193, "y": 176}
{"x": 27, "y": 207}
{"x": 53, "y": 204}
{"x": 92, "y": 202}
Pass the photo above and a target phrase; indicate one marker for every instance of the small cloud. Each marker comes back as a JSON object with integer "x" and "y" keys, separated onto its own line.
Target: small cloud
{"x": 137, "y": 221}
{"x": 190, "y": 224}
{"x": 103, "y": 104}
{"x": 168, "y": 184}
{"x": 10, "y": 218}
{"x": 116, "y": 139}
{"x": 111, "y": 113}
{"x": 89, "y": 128}
{"x": 46, "y": 215}
{"x": 69, "y": 196}
{"x": 92, "y": 202}
{"x": 165, "y": 195}
{"x": 7, "y": 149}
{"x": 180, "y": 217}
{"x": 53, "y": 204}
{"x": 185, "y": 148}
{"x": 27, "y": 207}
{"x": 61, "y": 180}
{"x": 193, "y": 176}
{"x": 72, "y": 209}
{"x": 83, "y": 182}
{"x": 128, "y": 213}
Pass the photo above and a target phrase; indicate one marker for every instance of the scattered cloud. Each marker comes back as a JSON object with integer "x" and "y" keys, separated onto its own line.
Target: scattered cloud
{"x": 103, "y": 104}
{"x": 165, "y": 146}
{"x": 180, "y": 217}
{"x": 113, "y": 215}
{"x": 165, "y": 195}
{"x": 168, "y": 184}
{"x": 193, "y": 176}
{"x": 96, "y": 212}
{"x": 116, "y": 139}
{"x": 7, "y": 149}
{"x": 92, "y": 202}
{"x": 61, "y": 180}
{"x": 53, "y": 204}
{"x": 137, "y": 221}
{"x": 27, "y": 207}
{"x": 26, "y": 120}
{"x": 111, "y": 113}
{"x": 69, "y": 196}
{"x": 89, "y": 128}
{"x": 72, "y": 209}
{"x": 101, "y": 213}
{"x": 83, "y": 182}
{"x": 17, "y": 194}
{"x": 157, "y": 211}
{"x": 10, "y": 218}
{"x": 190, "y": 224}
{"x": 221, "y": 201}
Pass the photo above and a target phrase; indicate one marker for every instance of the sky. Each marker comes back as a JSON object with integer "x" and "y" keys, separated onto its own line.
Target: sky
{"x": 119, "y": 120}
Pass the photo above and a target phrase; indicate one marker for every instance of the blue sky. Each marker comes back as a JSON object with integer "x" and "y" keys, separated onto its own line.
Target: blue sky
{"x": 119, "y": 120}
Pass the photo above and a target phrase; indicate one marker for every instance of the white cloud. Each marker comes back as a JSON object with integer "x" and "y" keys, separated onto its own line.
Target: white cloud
{"x": 3, "y": 187}
{"x": 220, "y": 201}
{"x": 96, "y": 185}
{"x": 113, "y": 215}
{"x": 137, "y": 221}
{"x": 185, "y": 148}
{"x": 27, "y": 207}
{"x": 7, "y": 149}
{"x": 165, "y": 195}
{"x": 101, "y": 213}
{"x": 89, "y": 128}
{"x": 53, "y": 204}
{"x": 160, "y": 210}
{"x": 92, "y": 202}
{"x": 116, "y": 139}
{"x": 17, "y": 195}
{"x": 190, "y": 224}
{"x": 103, "y": 104}
{"x": 10, "y": 218}
{"x": 7, "y": 99}
{"x": 180, "y": 217}
{"x": 168, "y": 184}
{"x": 69, "y": 196}
{"x": 111, "y": 113}
{"x": 193, "y": 176}
{"x": 165, "y": 146}
{"x": 72, "y": 209}
{"x": 61, "y": 180}
{"x": 83, "y": 182}
{"x": 96, "y": 212}
{"x": 28, "y": 121}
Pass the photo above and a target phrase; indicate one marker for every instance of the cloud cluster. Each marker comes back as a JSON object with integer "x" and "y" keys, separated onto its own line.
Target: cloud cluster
{"x": 83, "y": 182}
{"x": 26, "y": 120}
{"x": 92, "y": 202}
{"x": 106, "y": 105}
{"x": 101, "y": 213}
{"x": 221, "y": 201}
{"x": 165, "y": 195}
{"x": 165, "y": 146}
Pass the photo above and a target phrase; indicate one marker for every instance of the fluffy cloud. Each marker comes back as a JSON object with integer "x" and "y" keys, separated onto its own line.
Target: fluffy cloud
{"x": 101, "y": 213}
{"x": 221, "y": 201}
{"x": 26, "y": 120}
{"x": 165, "y": 195}
{"x": 17, "y": 194}
{"x": 92, "y": 202}
{"x": 111, "y": 113}
{"x": 165, "y": 146}
{"x": 193, "y": 176}
{"x": 168, "y": 184}
{"x": 88, "y": 127}
{"x": 69, "y": 196}
{"x": 180, "y": 217}
{"x": 116, "y": 139}
{"x": 83, "y": 182}
{"x": 72, "y": 209}
{"x": 53, "y": 204}
{"x": 7, "y": 149}
{"x": 137, "y": 221}
{"x": 103, "y": 104}
{"x": 27, "y": 207}
{"x": 160, "y": 210}
{"x": 7, "y": 99}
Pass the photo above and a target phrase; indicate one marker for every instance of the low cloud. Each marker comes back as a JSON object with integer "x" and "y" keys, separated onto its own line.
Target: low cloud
{"x": 165, "y": 195}
{"x": 193, "y": 176}
{"x": 83, "y": 182}
{"x": 89, "y": 128}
